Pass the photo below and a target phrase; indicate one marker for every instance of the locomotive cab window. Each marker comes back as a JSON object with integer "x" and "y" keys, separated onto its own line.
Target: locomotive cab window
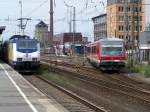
{"x": 26, "y": 44}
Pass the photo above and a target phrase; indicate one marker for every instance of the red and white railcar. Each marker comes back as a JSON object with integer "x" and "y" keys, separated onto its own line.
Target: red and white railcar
{"x": 107, "y": 54}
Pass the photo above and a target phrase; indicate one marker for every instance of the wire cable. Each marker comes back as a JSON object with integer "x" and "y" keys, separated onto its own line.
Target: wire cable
{"x": 35, "y": 9}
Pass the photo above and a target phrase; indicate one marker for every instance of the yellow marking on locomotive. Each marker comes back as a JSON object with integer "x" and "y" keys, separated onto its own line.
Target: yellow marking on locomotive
{"x": 10, "y": 52}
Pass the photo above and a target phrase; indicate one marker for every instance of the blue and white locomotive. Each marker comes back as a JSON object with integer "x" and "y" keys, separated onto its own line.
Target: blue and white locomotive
{"x": 23, "y": 52}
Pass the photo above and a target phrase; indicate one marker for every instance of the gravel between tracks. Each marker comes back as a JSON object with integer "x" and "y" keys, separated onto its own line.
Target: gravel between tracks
{"x": 69, "y": 103}
{"x": 104, "y": 97}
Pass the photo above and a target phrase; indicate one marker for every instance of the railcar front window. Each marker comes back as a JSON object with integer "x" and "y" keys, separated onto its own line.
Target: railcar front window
{"x": 112, "y": 51}
{"x": 112, "y": 48}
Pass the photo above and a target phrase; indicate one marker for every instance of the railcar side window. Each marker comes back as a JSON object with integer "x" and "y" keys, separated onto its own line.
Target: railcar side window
{"x": 88, "y": 49}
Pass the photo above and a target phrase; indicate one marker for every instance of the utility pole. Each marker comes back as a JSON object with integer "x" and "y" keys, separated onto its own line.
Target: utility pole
{"x": 135, "y": 30}
{"x": 71, "y": 17}
{"x": 138, "y": 28}
{"x": 70, "y": 22}
{"x": 74, "y": 28}
{"x": 74, "y": 19}
{"x": 22, "y": 25}
{"x": 51, "y": 22}
{"x": 74, "y": 23}
{"x": 20, "y": 19}
{"x": 127, "y": 27}
{"x": 133, "y": 33}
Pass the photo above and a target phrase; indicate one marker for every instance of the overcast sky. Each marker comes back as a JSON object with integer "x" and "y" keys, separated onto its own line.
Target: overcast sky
{"x": 39, "y": 9}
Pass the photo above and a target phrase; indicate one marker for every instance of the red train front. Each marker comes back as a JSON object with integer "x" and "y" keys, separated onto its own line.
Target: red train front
{"x": 107, "y": 54}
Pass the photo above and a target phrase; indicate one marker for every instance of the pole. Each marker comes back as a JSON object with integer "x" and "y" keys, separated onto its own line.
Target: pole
{"x": 23, "y": 24}
{"x": 70, "y": 23}
{"x": 133, "y": 34}
{"x": 127, "y": 24}
{"x": 74, "y": 28}
{"x": 74, "y": 19}
{"x": 51, "y": 22}
{"x": 21, "y": 21}
{"x": 138, "y": 31}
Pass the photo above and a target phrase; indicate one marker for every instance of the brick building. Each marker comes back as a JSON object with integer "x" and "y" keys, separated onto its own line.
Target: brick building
{"x": 67, "y": 37}
{"x": 120, "y": 18}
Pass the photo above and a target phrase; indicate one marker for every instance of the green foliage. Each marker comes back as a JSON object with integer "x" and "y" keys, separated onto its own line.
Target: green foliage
{"x": 43, "y": 69}
{"x": 139, "y": 68}
{"x": 129, "y": 64}
{"x": 135, "y": 69}
{"x": 147, "y": 71}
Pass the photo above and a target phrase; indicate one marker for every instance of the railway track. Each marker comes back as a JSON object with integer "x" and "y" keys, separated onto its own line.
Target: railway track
{"x": 72, "y": 106}
{"x": 121, "y": 79}
{"x": 114, "y": 83}
{"x": 97, "y": 93}
{"x": 123, "y": 89}
{"x": 116, "y": 78}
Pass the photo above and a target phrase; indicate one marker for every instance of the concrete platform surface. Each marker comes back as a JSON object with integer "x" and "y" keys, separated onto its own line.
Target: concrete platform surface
{"x": 18, "y": 95}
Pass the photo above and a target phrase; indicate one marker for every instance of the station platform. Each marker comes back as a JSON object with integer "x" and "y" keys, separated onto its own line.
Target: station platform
{"x": 18, "y": 95}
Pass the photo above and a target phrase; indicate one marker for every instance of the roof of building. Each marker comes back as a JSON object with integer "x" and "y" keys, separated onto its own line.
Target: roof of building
{"x": 68, "y": 33}
{"x": 99, "y": 16}
{"x": 41, "y": 24}
{"x": 111, "y": 2}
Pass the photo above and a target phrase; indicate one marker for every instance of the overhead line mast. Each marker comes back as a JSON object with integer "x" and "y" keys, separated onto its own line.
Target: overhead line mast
{"x": 51, "y": 22}
{"x": 22, "y": 25}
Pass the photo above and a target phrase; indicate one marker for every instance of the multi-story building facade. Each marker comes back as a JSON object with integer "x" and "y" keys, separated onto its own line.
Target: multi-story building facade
{"x": 42, "y": 33}
{"x": 100, "y": 26}
{"x": 125, "y": 18}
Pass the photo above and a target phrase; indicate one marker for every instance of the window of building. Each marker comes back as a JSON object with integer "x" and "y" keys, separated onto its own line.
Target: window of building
{"x": 121, "y": 18}
{"x": 129, "y": 28}
{"x": 129, "y": 18}
{"x": 121, "y": 36}
{"x": 121, "y": 9}
{"x": 140, "y": 27}
{"x": 120, "y": 28}
{"x": 121, "y": 1}
{"x": 140, "y": 18}
{"x": 140, "y": 9}
{"x": 129, "y": 9}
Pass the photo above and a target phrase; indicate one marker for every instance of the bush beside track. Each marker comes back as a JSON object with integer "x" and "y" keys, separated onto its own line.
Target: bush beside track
{"x": 139, "y": 68}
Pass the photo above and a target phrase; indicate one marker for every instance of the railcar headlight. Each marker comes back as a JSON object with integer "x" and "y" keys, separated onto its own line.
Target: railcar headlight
{"x": 19, "y": 59}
